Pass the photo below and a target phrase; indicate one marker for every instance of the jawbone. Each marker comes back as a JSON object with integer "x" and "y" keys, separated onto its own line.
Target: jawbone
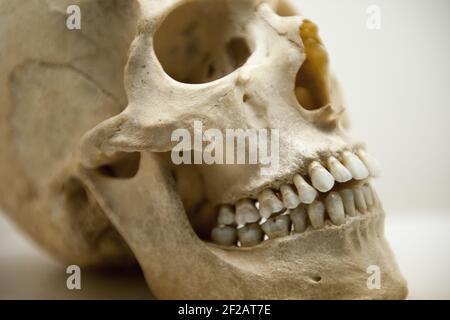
{"x": 330, "y": 263}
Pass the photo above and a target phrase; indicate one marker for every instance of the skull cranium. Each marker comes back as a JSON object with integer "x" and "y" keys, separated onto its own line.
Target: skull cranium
{"x": 229, "y": 64}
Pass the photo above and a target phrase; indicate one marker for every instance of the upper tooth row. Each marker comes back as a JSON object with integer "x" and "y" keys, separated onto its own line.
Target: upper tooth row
{"x": 336, "y": 205}
{"x": 322, "y": 179}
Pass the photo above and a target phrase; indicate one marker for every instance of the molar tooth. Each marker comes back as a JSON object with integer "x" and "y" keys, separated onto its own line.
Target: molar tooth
{"x": 370, "y": 162}
{"x": 368, "y": 195}
{"x": 290, "y": 198}
{"x": 277, "y": 227}
{"x": 355, "y": 166}
{"x": 246, "y": 212}
{"x": 269, "y": 203}
{"x": 250, "y": 235}
{"x": 321, "y": 179}
{"x": 307, "y": 194}
{"x": 316, "y": 214}
{"x": 298, "y": 218}
{"x": 224, "y": 235}
{"x": 226, "y": 215}
{"x": 359, "y": 200}
{"x": 338, "y": 170}
{"x": 349, "y": 202}
{"x": 335, "y": 208}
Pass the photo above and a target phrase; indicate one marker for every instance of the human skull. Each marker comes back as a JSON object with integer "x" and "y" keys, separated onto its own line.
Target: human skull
{"x": 308, "y": 230}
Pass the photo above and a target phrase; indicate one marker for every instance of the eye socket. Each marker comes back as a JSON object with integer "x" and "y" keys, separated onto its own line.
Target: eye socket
{"x": 200, "y": 42}
{"x": 312, "y": 86}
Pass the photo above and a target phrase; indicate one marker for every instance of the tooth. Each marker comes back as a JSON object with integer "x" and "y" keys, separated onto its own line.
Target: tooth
{"x": 225, "y": 236}
{"x": 368, "y": 196}
{"x": 338, "y": 171}
{"x": 226, "y": 215}
{"x": 349, "y": 202}
{"x": 370, "y": 162}
{"x": 355, "y": 166}
{"x": 250, "y": 235}
{"x": 306, "y": 193}
{"x": 335, "y": 208}
{"x": 298, "y": 218}
{"x": 359, "y": 200}
{"x": 277, "y": 227}
{"x": 246, "y": 212}
{"x": 269, "y": 203}
{"x": 376, "y": 199}
{"x": 321, "y": 179}
{"x": 316, "y": 214}
{"x": 290, "y": 198}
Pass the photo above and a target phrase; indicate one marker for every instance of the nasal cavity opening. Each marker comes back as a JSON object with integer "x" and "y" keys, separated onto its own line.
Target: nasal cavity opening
{"x": 198, "y": 43}
{"x": 312, "y": 82}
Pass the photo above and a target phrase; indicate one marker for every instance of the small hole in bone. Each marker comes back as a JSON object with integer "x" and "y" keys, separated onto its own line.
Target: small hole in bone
{"x": 312, "y": 83}
{"x": 198, "y": 43}
{"x": 125, "y": 167}
{"x": 316, "y": 279}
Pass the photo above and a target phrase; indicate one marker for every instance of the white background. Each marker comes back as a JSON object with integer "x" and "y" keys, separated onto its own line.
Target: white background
{"x": 397, "y": 84}
{"x": 396, "y": 81}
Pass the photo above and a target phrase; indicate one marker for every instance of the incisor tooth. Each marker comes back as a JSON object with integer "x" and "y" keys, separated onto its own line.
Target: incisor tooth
{"x": 316, "y": 214}
{"x": 335, "y": 208}
{"x": 250, "y": 235}
{"x": 355, "y": 166}
{"x": 349, "y": 202}
{"x": 370, "y": 162}
{"x": 226, "y": 215}
{"x": 338, "y": 170}
{"x": 306, "y": 193}
{"x": 269, "y": 203}
{"x": 277, "y": 227}
{"x": 359, "y": 200}
{"x": 321, "y": 179}
{"x": 368, "y": 195}
{"x": 225, "y": 235}
{"x": 299, "y": 219}
{"x": 246, "y": 212}
{"x": 290, "y": 198}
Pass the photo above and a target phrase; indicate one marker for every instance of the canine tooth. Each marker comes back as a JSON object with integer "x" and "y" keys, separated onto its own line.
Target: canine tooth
{"x": 316, "y": 214}
{"x": 335, "y": 208}
{"x": 246, "y": 212}
{"x": 277, "y": 227}
{"x": 298, "y": 218}
{"x": 290, "y": 198}
{"x": 370, "y": 162}
{"x": 359, "y": 199}
{"x": 321, "y": 179}
{"x": 368, "y": 195}
{"x": 307, "y": 194}
{"x": 250, "y": 235}
{"x": 349, "y": 202}
{"x": 226, "y": 215}
{"x": 355, "y": 166}
{"x": 225, "y": 235}
{"x": 338, "y": 170}
{"x": 269, "y": 203}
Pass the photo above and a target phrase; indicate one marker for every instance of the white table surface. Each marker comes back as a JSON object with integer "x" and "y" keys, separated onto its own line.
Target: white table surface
{"x": 421, "y": 242}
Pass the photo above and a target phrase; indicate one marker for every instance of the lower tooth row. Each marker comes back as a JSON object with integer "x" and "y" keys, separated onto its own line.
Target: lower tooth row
{"x": 243, "y": 226}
